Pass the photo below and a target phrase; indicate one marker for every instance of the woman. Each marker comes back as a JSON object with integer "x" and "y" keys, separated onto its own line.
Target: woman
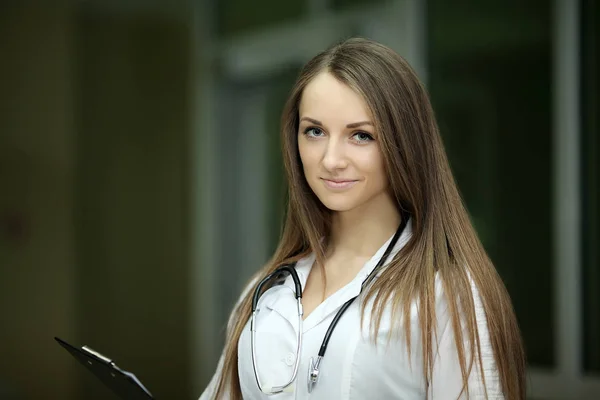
{"x": 374, "y": 214}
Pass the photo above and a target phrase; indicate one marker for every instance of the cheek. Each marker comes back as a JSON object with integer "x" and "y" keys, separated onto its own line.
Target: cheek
{"x": 308, "y": 156}
{"x": 371, "y": 164}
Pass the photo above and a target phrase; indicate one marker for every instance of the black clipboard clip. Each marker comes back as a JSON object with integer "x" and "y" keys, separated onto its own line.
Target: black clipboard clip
{"x": 123, "y": 383}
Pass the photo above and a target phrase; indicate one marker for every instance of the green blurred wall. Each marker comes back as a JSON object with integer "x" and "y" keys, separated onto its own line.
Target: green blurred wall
{"x": 93, "y": 197}
{"x": 37, "y": 284}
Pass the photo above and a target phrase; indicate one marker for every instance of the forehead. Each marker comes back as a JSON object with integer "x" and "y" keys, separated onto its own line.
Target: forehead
{"x": 327, "y": 99}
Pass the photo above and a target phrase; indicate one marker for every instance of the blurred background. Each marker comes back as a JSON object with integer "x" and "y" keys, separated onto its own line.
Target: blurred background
{"x": 141, "y": 181}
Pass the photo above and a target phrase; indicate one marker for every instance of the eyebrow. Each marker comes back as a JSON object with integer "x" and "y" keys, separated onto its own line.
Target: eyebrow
{"x": 349, "y": 126}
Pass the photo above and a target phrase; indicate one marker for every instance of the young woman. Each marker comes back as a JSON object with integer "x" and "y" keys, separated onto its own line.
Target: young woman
{"x": 379, "y": 288}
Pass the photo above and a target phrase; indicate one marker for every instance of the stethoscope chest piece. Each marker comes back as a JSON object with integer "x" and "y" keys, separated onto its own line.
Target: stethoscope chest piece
{"x": 313, "y": 372}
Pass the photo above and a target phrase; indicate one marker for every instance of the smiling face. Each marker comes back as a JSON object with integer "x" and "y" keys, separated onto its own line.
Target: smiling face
{"x": 338, "y": 146}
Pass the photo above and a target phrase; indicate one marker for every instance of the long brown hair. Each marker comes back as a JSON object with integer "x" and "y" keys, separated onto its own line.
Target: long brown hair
{"x": 443, "y": 241}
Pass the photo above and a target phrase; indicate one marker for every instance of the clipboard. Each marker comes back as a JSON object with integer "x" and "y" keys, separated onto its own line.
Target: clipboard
{"x": 123, "y": 383}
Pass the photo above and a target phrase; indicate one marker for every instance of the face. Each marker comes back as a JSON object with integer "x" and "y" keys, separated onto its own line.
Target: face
{"x": 339, "y": 147}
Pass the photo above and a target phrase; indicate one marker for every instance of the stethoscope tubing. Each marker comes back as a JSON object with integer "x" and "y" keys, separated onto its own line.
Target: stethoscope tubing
{"x": 314, "y": 365}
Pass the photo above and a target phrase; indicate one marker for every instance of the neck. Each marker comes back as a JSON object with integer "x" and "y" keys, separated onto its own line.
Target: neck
{"x": 360, "y": 232}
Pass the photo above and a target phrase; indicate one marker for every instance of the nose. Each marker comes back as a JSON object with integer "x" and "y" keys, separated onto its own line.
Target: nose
{"x": 334, "y": 157}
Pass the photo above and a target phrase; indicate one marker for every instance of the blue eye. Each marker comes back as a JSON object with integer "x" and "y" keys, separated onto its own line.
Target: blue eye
{"x": 363, "y": 137}
{"x": 313, "y": 132}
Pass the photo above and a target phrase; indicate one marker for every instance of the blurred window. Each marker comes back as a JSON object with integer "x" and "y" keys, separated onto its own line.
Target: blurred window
{"x": 490, "y": 78}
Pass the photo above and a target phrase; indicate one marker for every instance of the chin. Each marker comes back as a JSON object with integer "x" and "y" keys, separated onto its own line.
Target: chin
{"x": 339, "y": 204}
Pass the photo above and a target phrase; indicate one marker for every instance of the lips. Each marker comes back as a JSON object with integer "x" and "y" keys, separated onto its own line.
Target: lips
{"x": 339, "y": 183}
{"x": 339, "y": 180}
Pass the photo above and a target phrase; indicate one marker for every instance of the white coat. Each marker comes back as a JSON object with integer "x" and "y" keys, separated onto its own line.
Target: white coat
{"x": 354, "y": 367}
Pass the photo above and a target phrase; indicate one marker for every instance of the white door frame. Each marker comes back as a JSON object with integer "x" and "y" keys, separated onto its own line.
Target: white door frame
{"x": 398, "y": 24}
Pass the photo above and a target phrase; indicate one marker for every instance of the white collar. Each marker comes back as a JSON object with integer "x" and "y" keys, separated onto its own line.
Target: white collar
{"x": 344, "y": 294}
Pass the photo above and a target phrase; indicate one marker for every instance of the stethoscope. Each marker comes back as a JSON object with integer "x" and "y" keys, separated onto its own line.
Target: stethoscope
{"x": 313, "y": 369}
